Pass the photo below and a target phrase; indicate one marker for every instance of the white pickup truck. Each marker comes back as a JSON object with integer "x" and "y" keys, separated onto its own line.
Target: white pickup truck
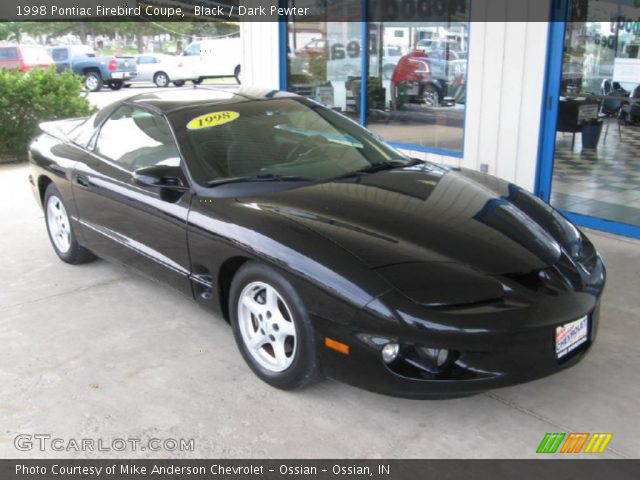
{"x": 221, "y": 57}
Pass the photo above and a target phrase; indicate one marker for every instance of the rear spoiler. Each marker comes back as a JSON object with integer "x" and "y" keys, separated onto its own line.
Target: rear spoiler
{"x": 60, "y": 128}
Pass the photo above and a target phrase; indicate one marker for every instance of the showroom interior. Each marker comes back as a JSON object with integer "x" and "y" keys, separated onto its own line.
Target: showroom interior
{"x": 549, "y": 105}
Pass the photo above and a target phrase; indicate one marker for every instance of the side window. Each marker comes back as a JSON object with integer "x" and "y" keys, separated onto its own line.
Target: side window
{"x": 59, "y": 54}
{"x": 145, "y": 60}
{"x": 134, "y": 138}
{"x": 193, "y": 49}
{"x": 8, "y": 53}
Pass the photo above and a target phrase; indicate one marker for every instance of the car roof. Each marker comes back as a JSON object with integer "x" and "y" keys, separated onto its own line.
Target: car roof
{"x": 177, "y": 99}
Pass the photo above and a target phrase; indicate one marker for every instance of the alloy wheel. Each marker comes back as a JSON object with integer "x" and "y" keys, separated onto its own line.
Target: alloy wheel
{"x": 267, "y": 326}
{"x": 91, "y": 83}
{"x": 58, "y": 224}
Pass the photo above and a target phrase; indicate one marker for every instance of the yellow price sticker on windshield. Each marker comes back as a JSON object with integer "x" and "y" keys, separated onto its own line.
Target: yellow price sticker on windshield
{"x": 212, "y": 119}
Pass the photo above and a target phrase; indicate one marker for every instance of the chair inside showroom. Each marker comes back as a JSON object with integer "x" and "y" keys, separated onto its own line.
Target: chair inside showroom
{"x": 568, "y": 120}
{"x": 611, "y": 107}
{"x": 630, "y": 113}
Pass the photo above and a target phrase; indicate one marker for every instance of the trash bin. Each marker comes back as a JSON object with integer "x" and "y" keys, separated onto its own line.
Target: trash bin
{"x": 591, "y": 134}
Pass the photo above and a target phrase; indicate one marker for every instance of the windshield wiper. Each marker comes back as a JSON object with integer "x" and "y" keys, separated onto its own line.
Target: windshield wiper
{"x": 388, "y": 165}
{"x": 263, "y": 177}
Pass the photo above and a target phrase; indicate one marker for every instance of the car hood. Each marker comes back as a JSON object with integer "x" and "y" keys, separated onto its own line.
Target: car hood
{"x": 421, "y": 214}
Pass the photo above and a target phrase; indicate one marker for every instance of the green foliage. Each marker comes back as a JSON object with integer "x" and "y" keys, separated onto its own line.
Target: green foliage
{"x": 34, "y": 97}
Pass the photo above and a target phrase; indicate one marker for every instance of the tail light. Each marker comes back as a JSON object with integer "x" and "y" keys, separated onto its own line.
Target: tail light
{"x": 23, "y": 68}
{"x": 113, "y": 64}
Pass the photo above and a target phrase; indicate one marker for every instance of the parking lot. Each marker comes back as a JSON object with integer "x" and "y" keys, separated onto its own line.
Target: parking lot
{"x": 96, "y": 351}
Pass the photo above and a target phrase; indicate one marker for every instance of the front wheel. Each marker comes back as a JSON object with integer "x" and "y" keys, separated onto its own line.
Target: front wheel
{"x": 197, "y": 81}
{"x": 272, "y": 328}
{"x": 178, "y": 83}
{"x": 60, "y": 232}
{"x": 238, "y": 74}
{"x": 115, "y": 85}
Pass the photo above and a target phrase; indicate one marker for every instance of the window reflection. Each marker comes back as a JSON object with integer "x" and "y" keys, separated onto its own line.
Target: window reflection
{"x": 418, "y": 84}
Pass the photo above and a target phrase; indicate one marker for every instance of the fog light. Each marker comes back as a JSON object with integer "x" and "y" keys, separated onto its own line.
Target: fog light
{"x": 390, "y": 352}
{"x": 438, "y": 356}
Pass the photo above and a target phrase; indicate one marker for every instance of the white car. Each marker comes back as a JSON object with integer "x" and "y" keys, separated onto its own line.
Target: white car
{"x": 163, "y": 69}
{"x": 221, "y": 57}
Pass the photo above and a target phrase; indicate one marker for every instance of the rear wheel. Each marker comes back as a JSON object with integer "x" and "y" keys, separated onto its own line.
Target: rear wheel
{"x": 92, "y": 81}
{"x": 161, "y": 79}
{"x": 60, "y": 232}
{"x": 238, "y": 74}
{"x": 272, "y": 328}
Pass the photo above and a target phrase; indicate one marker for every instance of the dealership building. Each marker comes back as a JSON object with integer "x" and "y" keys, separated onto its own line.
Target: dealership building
{"x": 549, "y": 104}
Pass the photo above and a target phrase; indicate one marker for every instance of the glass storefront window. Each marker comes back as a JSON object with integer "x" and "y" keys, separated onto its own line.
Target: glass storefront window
{"x": 596, "y": 171}
{"x": 324, "y": 63}
{"x": 416, "y": 84}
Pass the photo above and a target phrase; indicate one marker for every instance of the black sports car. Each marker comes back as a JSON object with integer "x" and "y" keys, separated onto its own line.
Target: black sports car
{"x": 329, "y": 252}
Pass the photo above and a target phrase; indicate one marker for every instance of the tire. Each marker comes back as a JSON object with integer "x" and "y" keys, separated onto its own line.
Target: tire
{"x": 237, "y": 73}
{"x": 161, "y": 79}
{"x": 93, "y": 81}
{"x": 285, "y": 355}
{"x": 431, "y": 95}
{"x": 63, "y": 239}
{"x": 115, "y": 85}
{"x": 179, "y": 83}
{"x": 197, "y": 81}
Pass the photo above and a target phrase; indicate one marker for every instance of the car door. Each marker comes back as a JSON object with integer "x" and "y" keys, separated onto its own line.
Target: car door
{"x": 142, "y": 227}
{"x": 146, "y": 68}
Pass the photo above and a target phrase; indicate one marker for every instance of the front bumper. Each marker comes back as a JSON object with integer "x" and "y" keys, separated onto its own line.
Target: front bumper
{"x": 496, "y": 347}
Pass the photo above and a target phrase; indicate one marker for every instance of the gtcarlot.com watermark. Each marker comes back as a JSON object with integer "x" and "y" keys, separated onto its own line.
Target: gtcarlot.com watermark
{"x": 44, "y": 442}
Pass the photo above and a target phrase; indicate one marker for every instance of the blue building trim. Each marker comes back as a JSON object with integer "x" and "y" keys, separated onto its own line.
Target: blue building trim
{"x": 550, "y": 99}
{"x": 282, "y": 38}
{"x": 364, "y": 61}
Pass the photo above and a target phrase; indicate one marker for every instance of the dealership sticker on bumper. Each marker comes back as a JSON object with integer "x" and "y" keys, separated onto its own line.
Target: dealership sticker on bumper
{"x": 570, "y": 336}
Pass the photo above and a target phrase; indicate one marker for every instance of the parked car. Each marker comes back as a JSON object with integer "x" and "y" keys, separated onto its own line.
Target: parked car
{"x": 328, "y": 251}
{"x": 221, "y": 57}
{"x": 112, "y": 71}
{"x": 24, "y": 57}
{"x": 163, "y": 69}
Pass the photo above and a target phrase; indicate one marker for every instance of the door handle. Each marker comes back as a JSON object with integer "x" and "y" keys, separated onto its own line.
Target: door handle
{"x": 83, "y": 180}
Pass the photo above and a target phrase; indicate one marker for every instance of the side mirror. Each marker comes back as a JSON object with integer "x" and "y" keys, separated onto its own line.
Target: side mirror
{"x": 161, "y": 176}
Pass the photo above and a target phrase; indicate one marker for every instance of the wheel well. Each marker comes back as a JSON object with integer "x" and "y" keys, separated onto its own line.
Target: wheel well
{"x": 226, "y": 273}
{"x": 43, "y": 183}
{"x": 91, "y": 69}
{"x": 159, "y": 72}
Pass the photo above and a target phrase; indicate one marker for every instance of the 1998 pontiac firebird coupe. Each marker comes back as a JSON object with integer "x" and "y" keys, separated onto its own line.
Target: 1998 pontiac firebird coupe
{"x": 329, "y": 252}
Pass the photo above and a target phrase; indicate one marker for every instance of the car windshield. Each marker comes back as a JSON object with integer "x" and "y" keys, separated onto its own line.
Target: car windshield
{"x": 279, "y": 139}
